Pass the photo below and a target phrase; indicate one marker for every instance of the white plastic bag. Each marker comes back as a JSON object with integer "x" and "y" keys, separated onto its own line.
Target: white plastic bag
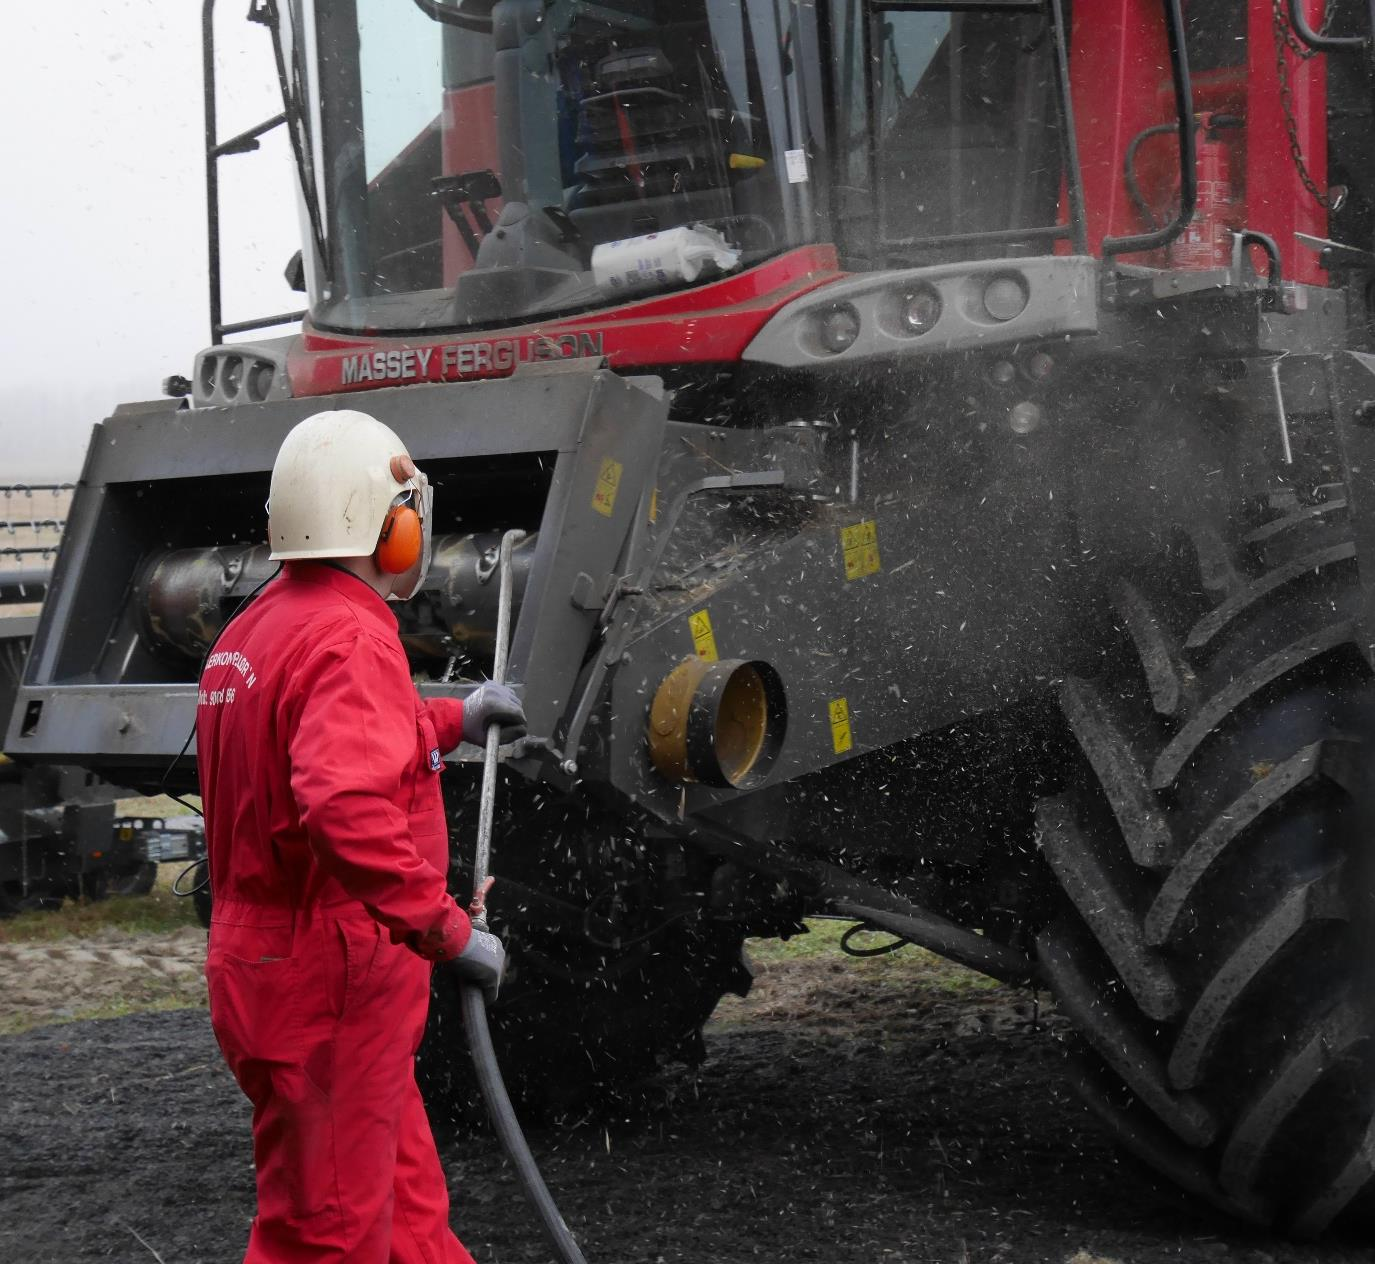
{"x": 658, "y": 259}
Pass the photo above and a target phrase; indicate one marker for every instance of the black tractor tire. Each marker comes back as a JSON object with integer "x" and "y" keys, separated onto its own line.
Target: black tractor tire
{"x": 1216, "y": 951}
{"x": 568, "y": 1034}
{"x": 91, "y": 887}
{"x": 138, "y": 881}
{"x": 581, "y": 1015}
{"x": 14, "y": 900}
{"x": 10, "y": 903}
{"x": 199, "y": 886}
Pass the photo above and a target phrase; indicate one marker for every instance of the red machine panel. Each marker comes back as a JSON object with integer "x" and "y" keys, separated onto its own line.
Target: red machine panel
{"x": 1246, "y": 171}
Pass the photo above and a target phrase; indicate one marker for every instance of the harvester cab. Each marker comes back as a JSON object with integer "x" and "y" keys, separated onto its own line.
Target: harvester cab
{"x": 941, "y": 436}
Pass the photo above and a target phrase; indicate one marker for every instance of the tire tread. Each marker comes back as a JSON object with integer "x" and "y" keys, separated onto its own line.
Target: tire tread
{"x": 1105, "y": 910}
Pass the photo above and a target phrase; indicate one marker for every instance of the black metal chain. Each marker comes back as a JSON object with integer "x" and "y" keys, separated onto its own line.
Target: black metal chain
{"x": 1286, "y": 39}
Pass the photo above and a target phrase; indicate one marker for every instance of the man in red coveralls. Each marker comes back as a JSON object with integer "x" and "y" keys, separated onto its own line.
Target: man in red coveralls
{"x": 319, "y": 767}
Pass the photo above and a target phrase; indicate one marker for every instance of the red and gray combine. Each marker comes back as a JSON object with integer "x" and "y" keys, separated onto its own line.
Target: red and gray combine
{"x": 945, "y": 435}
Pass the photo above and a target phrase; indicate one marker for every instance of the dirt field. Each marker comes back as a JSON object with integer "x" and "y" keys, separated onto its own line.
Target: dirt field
{"x": 895, "y": 1111}
{"x": 107, "y": 974}
{"x": 102, "y": 960}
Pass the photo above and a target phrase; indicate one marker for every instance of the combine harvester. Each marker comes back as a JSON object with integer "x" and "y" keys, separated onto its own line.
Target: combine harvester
{"x": 945, "y": 435}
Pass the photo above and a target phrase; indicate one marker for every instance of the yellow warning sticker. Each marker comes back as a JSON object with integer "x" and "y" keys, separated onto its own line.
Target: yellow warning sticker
{"x": 608, "y": 480}
{"x": 860, "y": 546}
{"x": 654, "y": 505}
{"x": 703, "y": 639}
{"x": 841, "y": 737}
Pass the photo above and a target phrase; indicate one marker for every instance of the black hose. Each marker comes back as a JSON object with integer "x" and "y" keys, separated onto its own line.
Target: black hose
{"x": 199, "y": 887}
{"x": 1138, "y": 199}
{"x": 944, "y": 938}
{"x": 507, "y": 1128}
{"x": 484, "y": 1056}
{"x": 865, "y": 928}
{"x": 1274, "y": 275}
{"x": 1188, "y": 162}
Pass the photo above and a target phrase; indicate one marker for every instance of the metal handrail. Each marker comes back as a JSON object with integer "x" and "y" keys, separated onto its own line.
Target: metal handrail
{"x": 10, "y": 489}
{"x": 14, "y": 584}
{"x": 265, "y": 13}
{"x": 1319, "y": 42}
{"x": 36, "y": 525}
{"x": 1188, "y": 162}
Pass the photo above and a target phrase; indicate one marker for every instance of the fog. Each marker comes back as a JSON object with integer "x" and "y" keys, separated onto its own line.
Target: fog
{"x": 103, "y": 212}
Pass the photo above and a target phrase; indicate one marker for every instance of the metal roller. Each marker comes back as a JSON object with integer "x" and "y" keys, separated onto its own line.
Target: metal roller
{"x": 183, "y": 596}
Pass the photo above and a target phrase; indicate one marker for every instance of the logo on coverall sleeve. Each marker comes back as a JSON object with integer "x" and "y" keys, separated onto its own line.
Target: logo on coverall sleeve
{"x": 436, "y": 764}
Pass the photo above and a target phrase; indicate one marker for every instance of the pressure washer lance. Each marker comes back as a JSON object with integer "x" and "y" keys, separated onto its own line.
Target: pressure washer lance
{"x": 474, "y": 1002}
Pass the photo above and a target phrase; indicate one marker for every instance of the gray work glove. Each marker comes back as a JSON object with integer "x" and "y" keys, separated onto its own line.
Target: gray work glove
{"x": 492, "y": 703}
{"x": 482, "y": 962}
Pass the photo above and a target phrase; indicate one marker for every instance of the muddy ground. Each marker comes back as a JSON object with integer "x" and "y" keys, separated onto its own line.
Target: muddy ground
{"x": 839, "y": 1118}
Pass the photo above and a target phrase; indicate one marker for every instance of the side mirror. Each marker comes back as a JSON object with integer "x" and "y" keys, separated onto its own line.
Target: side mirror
{"x": 295, "y": 273}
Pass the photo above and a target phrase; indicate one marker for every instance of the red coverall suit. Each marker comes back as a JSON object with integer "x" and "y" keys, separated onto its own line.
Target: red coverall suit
{"x": 319, "y": 767}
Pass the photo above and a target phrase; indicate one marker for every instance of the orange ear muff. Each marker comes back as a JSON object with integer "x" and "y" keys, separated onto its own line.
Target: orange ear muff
{"x": 401, "y": 542}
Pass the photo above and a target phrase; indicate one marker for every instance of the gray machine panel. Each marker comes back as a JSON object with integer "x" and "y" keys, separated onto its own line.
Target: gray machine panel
{"x": 95, "y": 693}
{"x": 1061, "y": 298}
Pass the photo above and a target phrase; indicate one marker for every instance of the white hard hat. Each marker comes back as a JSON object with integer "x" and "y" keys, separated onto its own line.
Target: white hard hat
{"x": 332, "y": 486}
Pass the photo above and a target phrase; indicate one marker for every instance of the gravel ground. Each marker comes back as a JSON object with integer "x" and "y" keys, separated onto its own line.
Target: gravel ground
{"x": 832, "y": 1122}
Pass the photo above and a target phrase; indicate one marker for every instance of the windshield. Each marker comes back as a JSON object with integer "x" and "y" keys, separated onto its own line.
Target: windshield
{"x": 574, "y": 155}
{"x": 953, "y": 133}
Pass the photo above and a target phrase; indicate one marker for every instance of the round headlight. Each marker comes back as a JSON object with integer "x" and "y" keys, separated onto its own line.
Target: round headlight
{"x": 1024, "y": 417}
{"x": 921, "y": 310}
{"x": 233, "y": 376}
{"x": 1005, "y": 297}
{"x": 260, "y": 380}
{"x": 838, "y": 328}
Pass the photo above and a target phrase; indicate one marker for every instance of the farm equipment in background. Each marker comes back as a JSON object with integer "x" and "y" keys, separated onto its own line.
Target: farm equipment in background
{"x": 59, "y": 833}
{"x": 944, "y": 438}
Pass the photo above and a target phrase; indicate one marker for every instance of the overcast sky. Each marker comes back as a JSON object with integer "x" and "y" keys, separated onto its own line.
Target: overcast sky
{"x": 102, "y": 211}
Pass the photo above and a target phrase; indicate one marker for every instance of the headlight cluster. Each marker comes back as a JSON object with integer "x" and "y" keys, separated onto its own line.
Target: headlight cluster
{"x": 915, "y": 310}
{"x": 1024, "y": 416}
{"x": 227, "y": 377}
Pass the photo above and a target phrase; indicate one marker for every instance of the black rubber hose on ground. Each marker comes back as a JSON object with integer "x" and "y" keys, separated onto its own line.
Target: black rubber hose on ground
{"x": 507, "y": 1128}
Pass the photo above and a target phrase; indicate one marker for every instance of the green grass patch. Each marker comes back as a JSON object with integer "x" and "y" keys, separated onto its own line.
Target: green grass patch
{"x": 903, "y": 967}
{"x": 157, "y": 805}
{"x": 157, "y": 912}
{"x": 809, "y": 982}
{"x": 823, "y": 937}
{"x": 17, "y": 1024}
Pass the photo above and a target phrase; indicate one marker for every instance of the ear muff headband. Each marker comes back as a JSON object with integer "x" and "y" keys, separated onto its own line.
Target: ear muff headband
{"x": 402, "y": 540}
